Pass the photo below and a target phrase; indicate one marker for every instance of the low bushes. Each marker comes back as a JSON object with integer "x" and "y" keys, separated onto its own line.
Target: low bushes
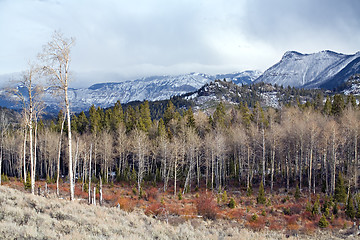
{"x": 206, "y": 206}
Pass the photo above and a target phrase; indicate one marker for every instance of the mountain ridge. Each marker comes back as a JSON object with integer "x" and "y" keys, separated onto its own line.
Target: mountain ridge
{"x": 151, "y": 88}
{"x": 315, "y": 70}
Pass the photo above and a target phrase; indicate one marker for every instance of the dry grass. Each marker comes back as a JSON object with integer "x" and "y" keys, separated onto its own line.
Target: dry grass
{"x": 24, "y": 216}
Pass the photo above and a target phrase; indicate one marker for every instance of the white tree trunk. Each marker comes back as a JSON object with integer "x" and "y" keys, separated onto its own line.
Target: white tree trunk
{"x": 89, "y": 192}
{"x": 59, "y": 155}
{"x": 101, "y": 193}
{"x": 24, "y": 154}
{"x": 71, "y": 177}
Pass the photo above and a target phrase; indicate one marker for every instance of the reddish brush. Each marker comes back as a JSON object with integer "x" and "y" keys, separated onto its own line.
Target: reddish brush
{"x": 126, "y": 204}
{"x": 256, "y": 225}
{"x": 155, "y": 209}
{"x": 206, "y": 206}
{"x": 152, "y": 193}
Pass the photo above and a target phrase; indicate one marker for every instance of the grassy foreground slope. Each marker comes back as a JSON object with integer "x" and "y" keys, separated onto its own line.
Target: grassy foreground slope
{"x": 24, "y": 216}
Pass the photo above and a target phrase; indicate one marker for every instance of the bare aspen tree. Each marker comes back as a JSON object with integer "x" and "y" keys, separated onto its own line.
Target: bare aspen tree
{"x": 29, "y": 110}
{"x": 350, "y": 123}
{"x": 94, "y": 196}
{"x": 3, "y": 128}
{"x": 89, "y": 190}
{"x": 275, "y": 139}
{"x": 140, "y": 145}
{"x": 76, "y": 160}
{"x": 24, "y": 147}
{"x": 56, "y": 56}
{"x": 100, "y": 192}
{"x": 59, "y": 154}
{"x": 121, "y": 143}
{"x": 175, "y": 155}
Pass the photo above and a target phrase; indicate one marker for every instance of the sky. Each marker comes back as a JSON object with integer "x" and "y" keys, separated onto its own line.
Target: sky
{"x": 120, "y": 40}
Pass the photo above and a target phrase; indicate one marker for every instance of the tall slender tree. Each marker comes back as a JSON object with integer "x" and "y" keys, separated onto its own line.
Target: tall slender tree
{"x": 56, "y": 57}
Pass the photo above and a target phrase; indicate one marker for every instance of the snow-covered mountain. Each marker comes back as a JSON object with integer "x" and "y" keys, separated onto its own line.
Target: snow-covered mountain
{"x": 149, "y": 88}
{"x": 325, "y": 69}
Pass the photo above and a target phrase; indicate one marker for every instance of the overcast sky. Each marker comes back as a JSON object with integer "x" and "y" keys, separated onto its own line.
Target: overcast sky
{"x": 130, "y": 39}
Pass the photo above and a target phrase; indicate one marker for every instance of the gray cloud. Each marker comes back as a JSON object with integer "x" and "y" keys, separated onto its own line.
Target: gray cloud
{"x": 139, "y": 38}
{"x": 305, "y": 25}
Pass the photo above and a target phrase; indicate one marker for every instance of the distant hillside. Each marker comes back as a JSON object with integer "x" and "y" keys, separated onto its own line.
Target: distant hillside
{"x": 325, "y": 69}
{"x": 268, "y": 95}
{"x": 150, "y": 88}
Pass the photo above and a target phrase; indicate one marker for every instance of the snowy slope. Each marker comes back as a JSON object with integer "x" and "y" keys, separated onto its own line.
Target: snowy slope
{"x": 149, "y": 88}
{"x": 309, "y": 70}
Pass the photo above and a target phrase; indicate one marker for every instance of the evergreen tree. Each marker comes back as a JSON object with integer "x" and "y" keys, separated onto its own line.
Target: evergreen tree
{"x": 340, "y": 191}
{"x": 145, "y": 116}
{"x": 169, "y": 112}
{"x": 130, "y": 119}
{"x": 161, "y": 128}
{"x": 246, "y": 115}
{"x": 261, "y": 199}
{"x": 106, "y": 121}
{"x": 27, "y": 184}
{"x": 350, "y": 210}
{"x": 95, "y": 119}
{"x": 117, "y": 116}
{"x": 297, "y": 193}
{"x": 351, "y": 101}
{"x": 327, "y": 106}
{"x": 82, "y": 123}
{"x": 338, "y": 105}
{"x": 316, "y": 208}
{"x": 232, "y": 203}
{"x": 318, "y": 102}
{"x": 323, "y": 223}
{"x": 74, "y": 123}
{"x": 190, "y": 120}
{"x": 219, "y": 115}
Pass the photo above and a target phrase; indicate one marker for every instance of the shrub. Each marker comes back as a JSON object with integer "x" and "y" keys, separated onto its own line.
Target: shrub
{"x": 249, "y": 191}
{"x": 224, "y": 197}
{"x": 297, "y": 193}
{"x": 268, "y": 203}
{"x": 315, "y": 210}
{"x": 180, "y": 195}
{"x": 308, "y": 207}
{"x": 154, "y": 209}
{"x": 261, "y": 197}
{"x": 232, "y": 203}
{"x": 323, "y": 223}
{"x": 295, "y": 209}
{"x": 291, "y": 220}
{"x": 263, "y": 213}
{"x": 335, "y": 209}
{"x": 287, "y": 211}
{"x": 126, "y": 204}
{"x": 27, "y": 185}
{"x": 86, "y": 187}
{"x": 4, "y": 178}
{"x": 206, "y": 206}
{"x": 152, "y": 193}
{"x": 134, "y": 191}
{"x": 257, "y": 225}
{"x": 254, "y": 217}
{"x": 142, "y": 193}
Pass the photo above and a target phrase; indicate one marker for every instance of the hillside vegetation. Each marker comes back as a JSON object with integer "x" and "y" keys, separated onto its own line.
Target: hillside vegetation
{"x": 26, "y": 216}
